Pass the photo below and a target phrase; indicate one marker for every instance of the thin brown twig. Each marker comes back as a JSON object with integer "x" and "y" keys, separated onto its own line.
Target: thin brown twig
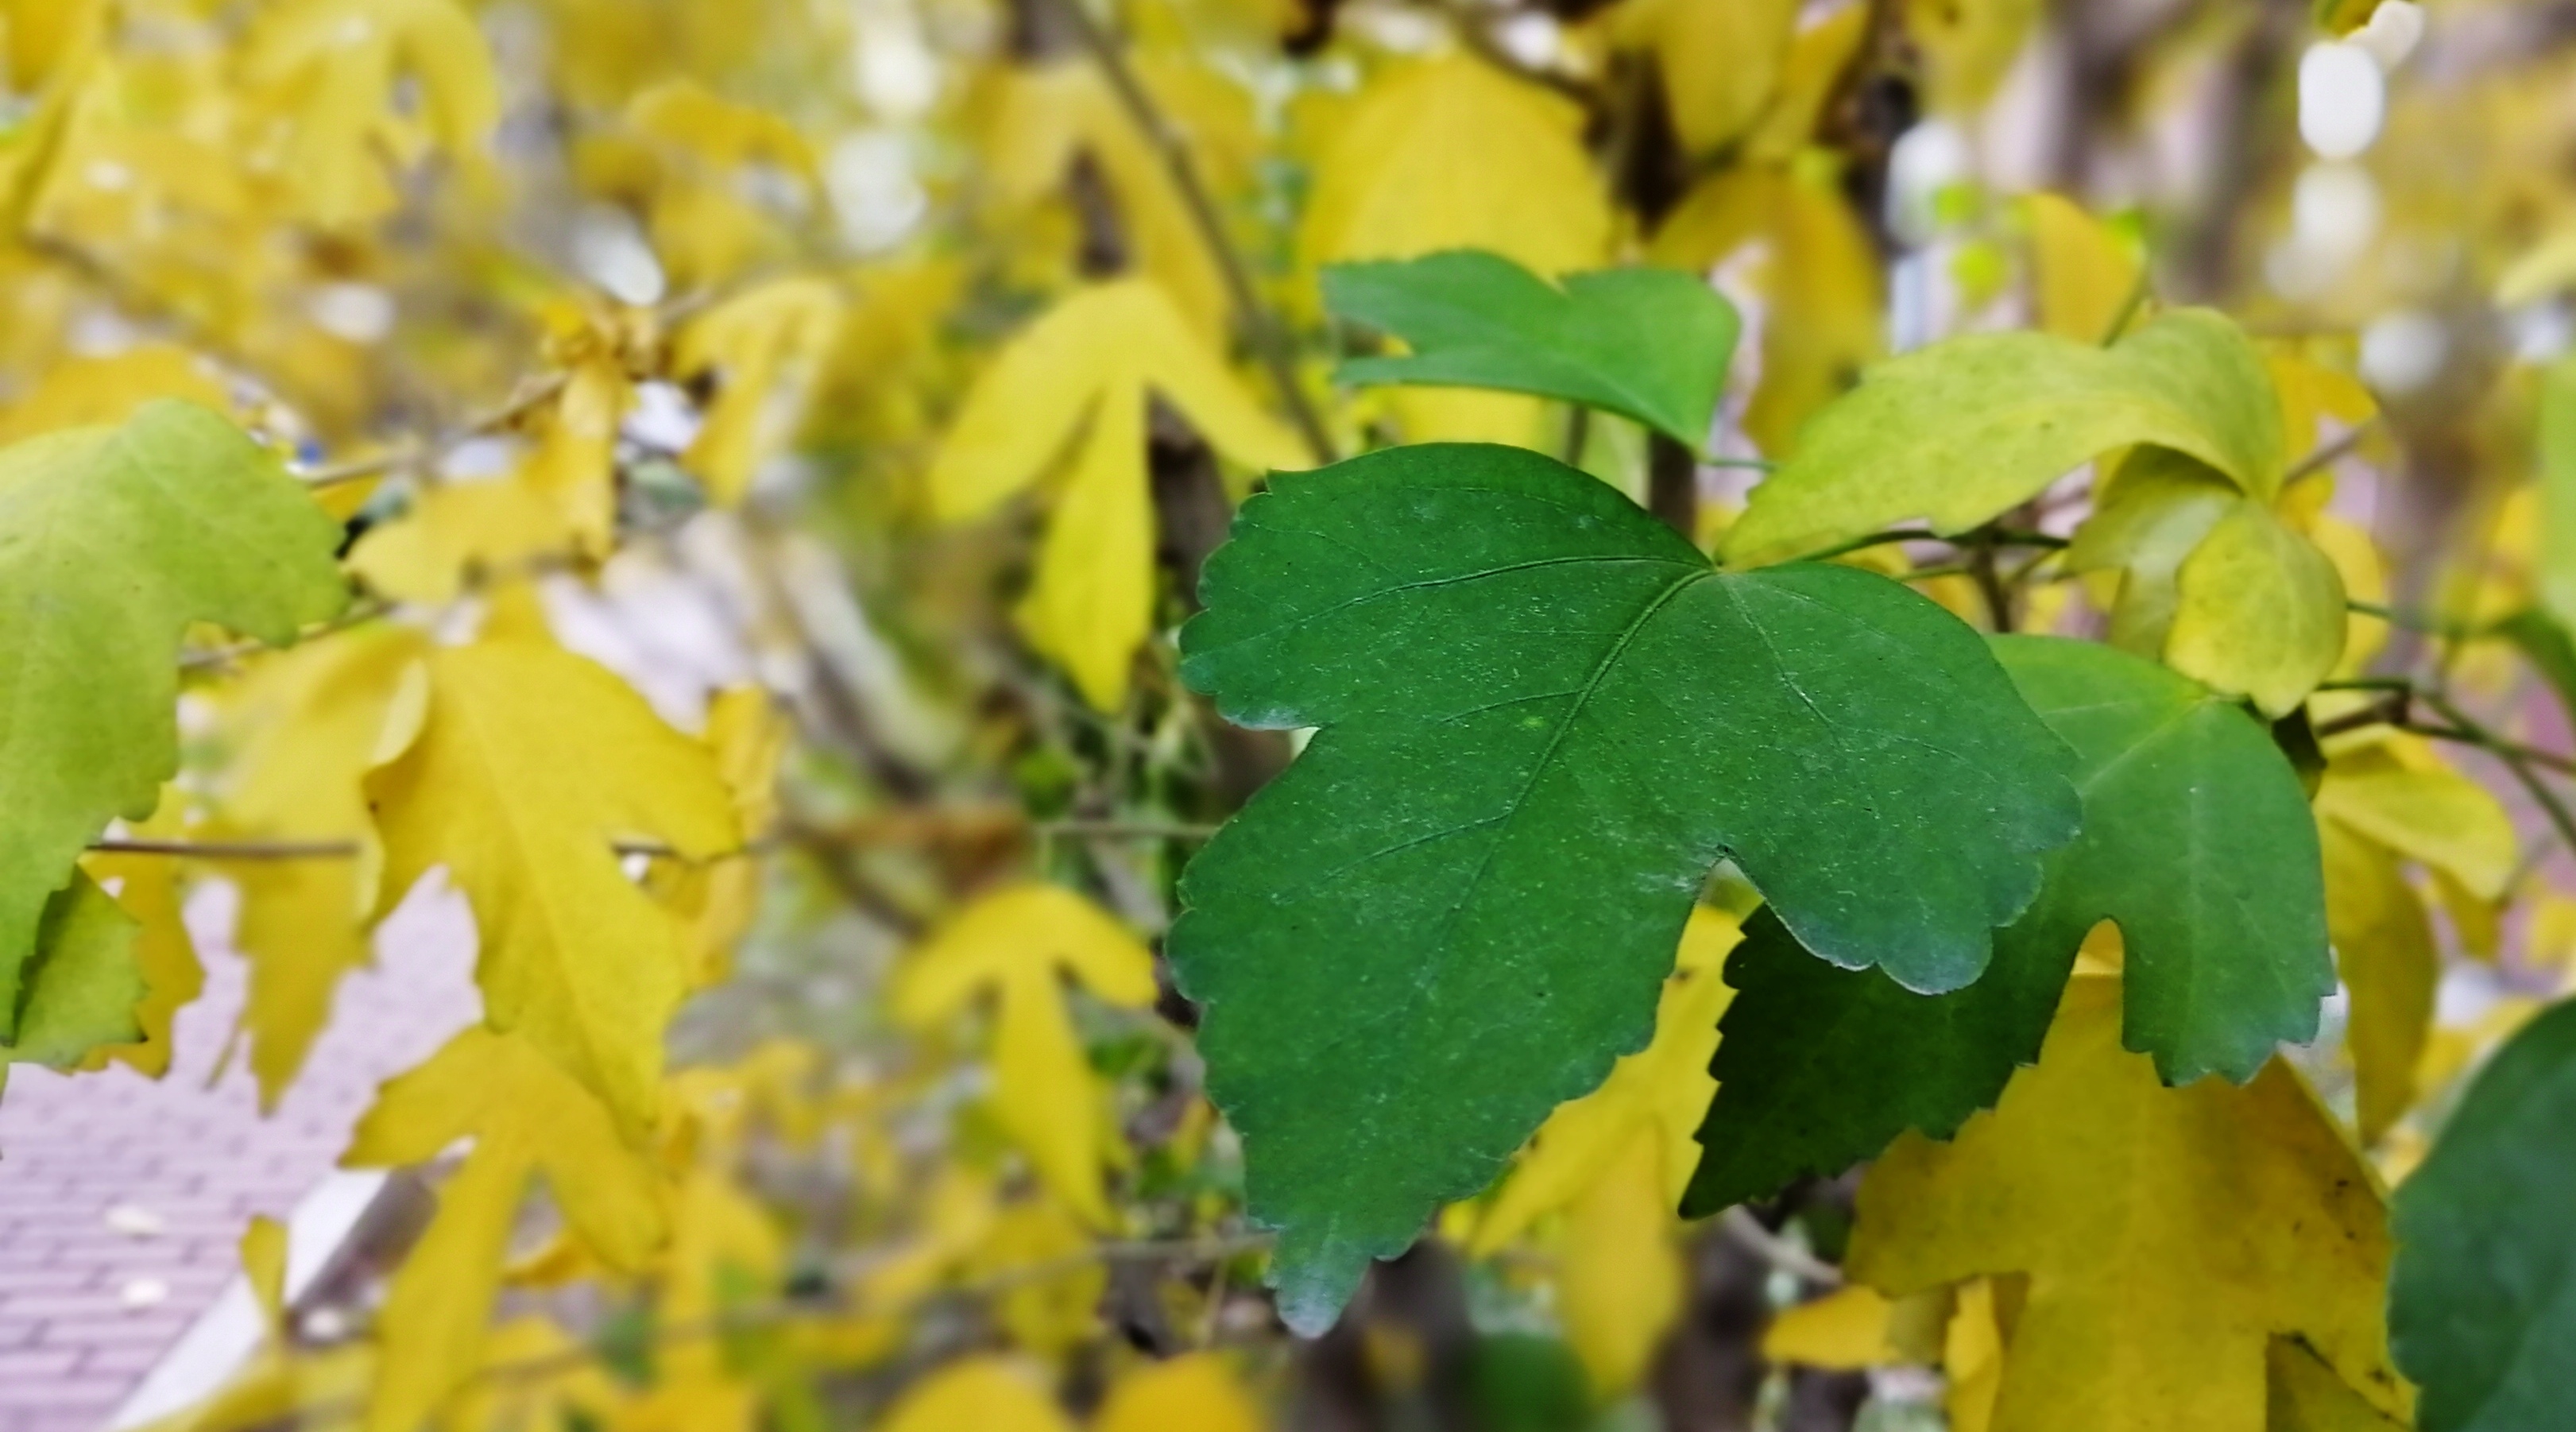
{"x": 1269, "y": 339}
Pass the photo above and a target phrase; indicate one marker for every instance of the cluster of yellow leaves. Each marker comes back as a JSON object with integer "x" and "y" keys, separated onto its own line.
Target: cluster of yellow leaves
{"x": 2108, "y": 1252}
{"x": 1083, "y": 376}
{"x": 1611, "y": 1166}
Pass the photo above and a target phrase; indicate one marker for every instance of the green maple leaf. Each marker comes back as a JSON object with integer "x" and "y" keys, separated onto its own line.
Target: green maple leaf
{"x": 2197, "y": 842}
{"x": 2482, "y": 1299}
{"x": 1545, "y": 718}
{"x": 1649, "y": 344}
{"x": 113, "y": 540}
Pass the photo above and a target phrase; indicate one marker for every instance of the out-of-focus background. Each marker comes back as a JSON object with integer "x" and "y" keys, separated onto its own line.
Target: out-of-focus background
{"x": 771, "y": 353}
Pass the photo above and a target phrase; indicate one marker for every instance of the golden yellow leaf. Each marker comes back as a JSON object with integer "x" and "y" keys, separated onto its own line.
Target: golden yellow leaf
{"x": 1195, "y": 1392}
{"x": 693, "y": 153}
{"x": 1619, "y": 1279}
{"x": 456, "y": 530}
{"x": 765, "y": 351}
{"x": 1047, "y": 116}
{"x": 2365, "y": 579}
{"x": 528, "y": 762}
{"x": 1972, "y": 1353}
{"x": 2259, "y": 610}
{"x": 1017, "y": 944}
{"x": 2306, "y": 1396}
{"x": 1720, "y": 63}
{"x": 2384, "y": 948}
{"x": 2086, "y": 274}
{"x": 986, "y": 1394}
{"x": 570, "y": 1392}
{"x": 331, "y": 69}
{"x": 302, "y": 727}
{"x": 80, "y": 392}
{"x": 526, "y": 1117}
{"x": 1616, "y": 1161}
{"x": 1092, "y": 360}
{"x": 1846, "y": 1329}
{"x": 1052, "y": 1298}
{"x": 1968, "y": 46}
{"x": 1664, "y": 1087}
{"x": 1452, "y": 153}
{"x": 2168, "y": 1234}
{"x": 1818, "y": 278}
{"x": 575, "y": 463}
{"x": 721, "y": 1240}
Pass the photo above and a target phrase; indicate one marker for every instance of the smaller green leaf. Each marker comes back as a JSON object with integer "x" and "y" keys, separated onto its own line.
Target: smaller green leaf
{"x": 83, "y": 983}
{"x": 2482, "y": 1300}
{"x": 1963, "y": 431}
{"x": 2196, "y": 842}
{"x": 2544, "y": 643}
{"x": 1648, "y": 344}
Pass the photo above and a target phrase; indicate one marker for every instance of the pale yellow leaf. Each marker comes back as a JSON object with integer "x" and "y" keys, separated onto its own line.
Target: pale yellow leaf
{"x": 2260, "y": 611}
{"x": 2435, "y": 817}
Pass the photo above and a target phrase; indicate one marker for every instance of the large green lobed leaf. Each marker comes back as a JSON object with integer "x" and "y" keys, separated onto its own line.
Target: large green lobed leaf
{"x": 1649, "y": 344}
{"x": 2197, "y": 843}
{"x": 1544, "y": 719}
{"x": 2482, "y": 1300}
{"x": 113, "y": 540}
{"x": 1961, "y": 432}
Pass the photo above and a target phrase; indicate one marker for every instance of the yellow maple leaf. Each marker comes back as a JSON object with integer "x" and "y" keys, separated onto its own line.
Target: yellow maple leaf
{"x": 1451, "y": 153}
{"x": 1616, "y": 1161}
{"x": 1197, "y": 1391}
{"x": 147, "y": 887}
{"x": 1016, "y": 945}
{"x": 302, "y": 727}
{"x": 527, "y": 1118}
{"x": 331, "y": 68}
{"x": 2385, "y": 952}
{"x": 1845, "y": 1330}
{"x": 2086, "y": 275}
{"x": 455, "y": 531}
{"x": 1043, "y": 118}
{"x": 1818, "y": 278}
{"x": 2168, "y": 1235}
{"x": 683, "y": 159}
{"x": 1088, "y": 367}
{"x": 764, "y": 349}
{"x": 1720, "y": 64}
{"x": 79, "y": 392}
{"x": 524, "y": 765}
{"x": 1051, "y": 1299}
{"x": 988, "y": 1394}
